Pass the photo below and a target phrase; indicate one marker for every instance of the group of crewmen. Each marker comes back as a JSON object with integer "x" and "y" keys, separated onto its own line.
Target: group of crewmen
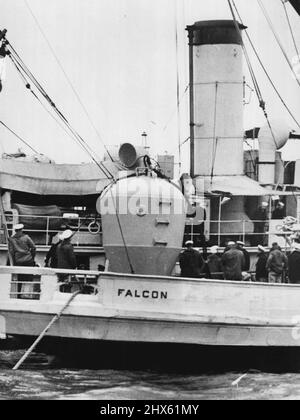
{"x": 229, "y": 266}
{"x": 22, "y": 250}
{"x": 234, "y": 264}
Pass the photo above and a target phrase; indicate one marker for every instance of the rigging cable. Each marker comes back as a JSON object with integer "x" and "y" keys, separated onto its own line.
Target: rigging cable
{"x": 18, "y": 137}
{"x": 68, "y": 79}
{"x": 265, "y": 70}
{"x": 20, "y": 66}
{"x": 278, "y": 40}
{"x": 215, "y": 138}
{"x": 290, "y": 26}
{"x": 178, "y": 88}
{"x": 262, "y": 103}
{"x": 81, "y": 141}
{"x": 174, "y": 111}
{"x": 28, "y": 86}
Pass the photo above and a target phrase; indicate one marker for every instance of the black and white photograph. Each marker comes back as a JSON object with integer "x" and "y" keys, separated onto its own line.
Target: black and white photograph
{"x": 149, "y": 202}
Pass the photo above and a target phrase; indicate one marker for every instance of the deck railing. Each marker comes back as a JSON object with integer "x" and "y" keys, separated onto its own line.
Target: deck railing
{"x": 27, "y": 282}
{"x": 87, "y": 230}
{"x": 251, "y": 232}
{"x": 42, "y": 229}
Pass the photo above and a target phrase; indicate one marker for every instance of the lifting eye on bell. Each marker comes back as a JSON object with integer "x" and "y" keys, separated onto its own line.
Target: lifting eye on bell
{"x": 141, "y": 211}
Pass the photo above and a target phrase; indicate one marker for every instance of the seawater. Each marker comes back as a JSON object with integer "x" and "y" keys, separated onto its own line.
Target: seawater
{"x": 39, "y": 381}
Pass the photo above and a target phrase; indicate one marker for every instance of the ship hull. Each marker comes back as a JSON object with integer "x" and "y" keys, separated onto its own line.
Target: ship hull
{"x": 141, "y": 330}
{"x": 150, "y": 312}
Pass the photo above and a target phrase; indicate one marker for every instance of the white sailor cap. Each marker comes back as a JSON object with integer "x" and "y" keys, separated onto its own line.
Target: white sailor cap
{"x": 261, "y": 248}
{"x": 189, "y": 243}
{"x": 214, "y": 249}
{"x": 240, "y": 243}
{"x": 19, "y": 226}
{"x": 67, "y": 234}
{"x": 231, "y": 243}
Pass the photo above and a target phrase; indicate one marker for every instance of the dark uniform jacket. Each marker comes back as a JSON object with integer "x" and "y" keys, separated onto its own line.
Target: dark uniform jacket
{"x": 215, "y": 265}
{"x": 65, "y": 256}
{"x": 277, "y": 261}
{"x": 261, "y": 267}
{"x": 191, "y": 263}
{"x": 233, "y": 262}
{"x": 22, "y": 249}
{"x": 246, "y": 266}
{"x": 294, "y": 267}
{"x": 51, "y": 257}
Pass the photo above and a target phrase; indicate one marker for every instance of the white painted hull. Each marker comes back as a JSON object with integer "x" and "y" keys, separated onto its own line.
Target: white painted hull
{"x": 148, "y": 309}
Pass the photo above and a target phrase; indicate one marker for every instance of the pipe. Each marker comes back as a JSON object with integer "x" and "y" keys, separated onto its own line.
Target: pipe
{"x": 269, "y": 143}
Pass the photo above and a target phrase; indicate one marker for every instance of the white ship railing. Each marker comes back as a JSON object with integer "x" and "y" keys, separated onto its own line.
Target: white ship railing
{"x": 26, "y": 283}
{"x": 87, "y": 230}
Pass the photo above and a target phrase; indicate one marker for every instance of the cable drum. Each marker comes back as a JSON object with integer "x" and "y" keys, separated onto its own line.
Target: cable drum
{"x": 94, "y": 228}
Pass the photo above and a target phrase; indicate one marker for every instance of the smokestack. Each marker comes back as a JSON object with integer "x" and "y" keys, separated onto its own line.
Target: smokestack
{"x": 216, "y": 98}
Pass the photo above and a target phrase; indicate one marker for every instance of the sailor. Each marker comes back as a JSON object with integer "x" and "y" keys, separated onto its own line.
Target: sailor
{"x": 22, "y": 248}
{"x": 294, "y": 265}
{"x": 233, "y": 262}
{"x": 279, "y": 212}
{"x": 241, "y": 247}
{"x": 191, "y": 261}
{"x": 51, "y": 257}
{"x": 66, "y": 258}
{"x": 260, "y": 216}
{"x": 214, "y": 263}
{"x": 276, "y": 264}
{"x": 261, "y": 265}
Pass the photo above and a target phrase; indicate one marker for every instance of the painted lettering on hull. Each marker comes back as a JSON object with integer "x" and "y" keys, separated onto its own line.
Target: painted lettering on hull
{"x": 144, "y": 294}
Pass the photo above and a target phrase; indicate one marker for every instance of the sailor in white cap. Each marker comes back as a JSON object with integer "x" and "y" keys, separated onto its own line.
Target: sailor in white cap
{"x": 65, "y": 252}
{"x": 18, "y": 227}
{"x": 67, "y": 234}
{"x": 215, "y": 264}
{"x": 231, "y": 244}
{"x": 233, "y": 262}
{"x": 191, "y": 262}
{"x": 241, "y": 247}
{"x": 279, "y": 212}
{"x": 21, "y": 247}
{"x": 261, "y": 265}
{"x": 51, "y": 257}
{"x": 189, "y": 243}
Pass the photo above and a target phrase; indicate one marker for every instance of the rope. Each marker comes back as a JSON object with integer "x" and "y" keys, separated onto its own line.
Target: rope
{"x": 43, "y": 333}
{"x": 290, "y": 26}
{"x": 215, "y": 139}
{"x": 278, "y": 40}
{"x": 265, "y": 70}
{"x": 178, "y": 88}
{"x": 20, "y": 66}
{"x": 18, "y": 137}
{"x": 262, "y": 103}
{"x": 68, "y": 79}
{"x": 174, "y": 111}
{"x": 28, "y": 86}
{"x": 77, "y": 137}
{"x": 122, "y": 235}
